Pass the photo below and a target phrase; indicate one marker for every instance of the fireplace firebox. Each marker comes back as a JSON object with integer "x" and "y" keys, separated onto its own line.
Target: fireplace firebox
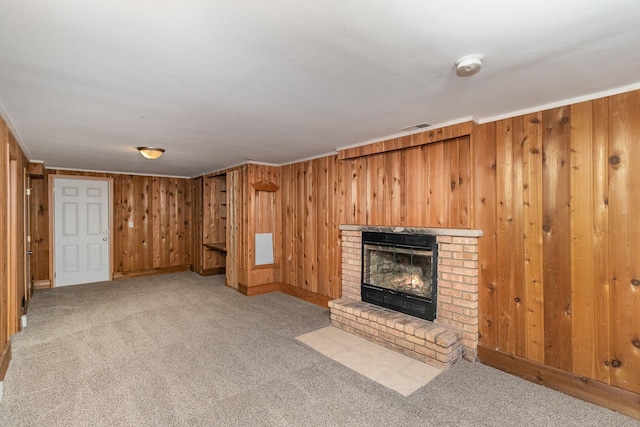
{"x": 399, "y": 272}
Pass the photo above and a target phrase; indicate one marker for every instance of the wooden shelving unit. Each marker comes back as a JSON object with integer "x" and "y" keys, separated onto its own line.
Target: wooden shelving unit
{"x": 214, "y": 224}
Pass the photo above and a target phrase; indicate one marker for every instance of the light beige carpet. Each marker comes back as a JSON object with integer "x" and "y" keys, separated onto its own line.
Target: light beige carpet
{"x": 183, "y": 350}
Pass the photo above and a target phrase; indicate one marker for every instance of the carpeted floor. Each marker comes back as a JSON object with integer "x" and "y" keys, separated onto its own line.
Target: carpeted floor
{"x": 182, "y": 349}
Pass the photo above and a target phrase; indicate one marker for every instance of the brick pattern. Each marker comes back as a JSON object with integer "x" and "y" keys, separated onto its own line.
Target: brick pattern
{"x": 457, "y": 311}
{"x": 458, "y": 289}
{"x": 351, "y": 264}
{"x": 420, "y": 339}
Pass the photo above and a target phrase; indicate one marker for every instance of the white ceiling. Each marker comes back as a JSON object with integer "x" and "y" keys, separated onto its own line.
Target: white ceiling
{"x": 82, "y": 83}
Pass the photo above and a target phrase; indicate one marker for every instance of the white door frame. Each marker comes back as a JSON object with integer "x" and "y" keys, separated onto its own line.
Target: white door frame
{"x": 52, "y": 246}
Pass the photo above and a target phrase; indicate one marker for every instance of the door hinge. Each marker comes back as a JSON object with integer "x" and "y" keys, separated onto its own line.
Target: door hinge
{"x": 28, "y": 191}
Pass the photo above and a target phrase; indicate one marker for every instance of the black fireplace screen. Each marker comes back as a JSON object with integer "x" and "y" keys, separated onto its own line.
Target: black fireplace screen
{"x": 399, "y": 272}
{"x": 406, "y": 270}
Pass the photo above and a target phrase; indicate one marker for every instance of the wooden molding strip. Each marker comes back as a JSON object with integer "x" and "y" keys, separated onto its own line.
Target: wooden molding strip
{"x": 150, "y": 271}
{"x": 258, "y": 289}
{"x": 417, "y": 139}
{"x": 303, "y": 294}
{"x": 42, "y": 284}
{"x": 5, "y": 358}
{"x": 617, "y": 399}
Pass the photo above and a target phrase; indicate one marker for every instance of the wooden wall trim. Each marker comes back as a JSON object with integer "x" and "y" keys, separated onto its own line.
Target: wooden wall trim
{"x": 5, "y": 358}
{"x": 250, "y": 291}
{"x": 285, "y": 288}
{"x": 415, "y": 140}
{"x": 41, "y": 284}
{"x": 150, "y": 271}
{"x": 583, "y": 388}
{"x": 303, "y": 294}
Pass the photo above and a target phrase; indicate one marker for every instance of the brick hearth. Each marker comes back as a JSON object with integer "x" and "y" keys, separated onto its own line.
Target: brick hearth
{"x": 455, "y": 330}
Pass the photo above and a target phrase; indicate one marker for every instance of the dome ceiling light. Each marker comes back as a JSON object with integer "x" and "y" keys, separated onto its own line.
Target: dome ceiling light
{"x": 151, "y": 153}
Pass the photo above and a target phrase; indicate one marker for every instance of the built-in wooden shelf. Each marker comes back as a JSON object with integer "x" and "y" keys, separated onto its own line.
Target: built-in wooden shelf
{"x": 220, "y": 247}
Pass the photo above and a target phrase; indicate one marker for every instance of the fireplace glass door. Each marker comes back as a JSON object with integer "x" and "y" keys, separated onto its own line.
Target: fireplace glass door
{"x": 406, "y": 270}
{"x": 399, "y": 272}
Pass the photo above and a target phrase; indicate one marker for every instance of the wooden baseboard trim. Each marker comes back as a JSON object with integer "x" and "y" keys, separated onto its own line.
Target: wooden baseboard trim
{"x": 251, "y": 291}
{"x": 148, "y": 272}
{"x": 617, "y": 399}
{"x": 41, "y": 284}
{"x": 303, "y": 294}
{"x": 285, "y": 288}
{"x": 5, "y": 358}
{"x": 213, "y": 271}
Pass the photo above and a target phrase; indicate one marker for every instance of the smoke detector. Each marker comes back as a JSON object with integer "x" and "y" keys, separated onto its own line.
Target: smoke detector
{"x": 469, "y": 65}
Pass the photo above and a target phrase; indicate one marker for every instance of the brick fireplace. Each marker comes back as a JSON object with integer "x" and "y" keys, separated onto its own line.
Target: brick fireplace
{"x": 452, "y": 335}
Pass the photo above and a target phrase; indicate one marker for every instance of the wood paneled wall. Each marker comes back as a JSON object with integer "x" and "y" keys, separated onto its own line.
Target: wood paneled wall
{"x": 557, "y": 194}
{"x": 424, "y": 186}
{"x": 39, "y": 205}
{"x": 257, "y": 194}
{"x": 14, "y": 286}
{"x": 160, "y": 209}
{"x": 310, "y": 220}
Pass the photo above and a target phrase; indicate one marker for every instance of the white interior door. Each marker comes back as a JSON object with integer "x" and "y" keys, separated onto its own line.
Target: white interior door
{"x": 81, "y": 230}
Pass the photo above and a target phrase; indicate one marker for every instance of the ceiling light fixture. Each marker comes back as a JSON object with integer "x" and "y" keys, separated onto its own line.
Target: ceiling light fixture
{"x": 151, "y": 153}
{"x": 469, "y": 65}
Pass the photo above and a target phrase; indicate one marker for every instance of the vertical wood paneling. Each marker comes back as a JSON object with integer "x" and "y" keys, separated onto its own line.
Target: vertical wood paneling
{"x": 39, "y": 229}
{"x": 436, "y": 199}
{"x": 161, "y": 235}
{"x": 214, "y": 220}
{"x": 508, "y": 241}
{"x": 310, "y": 231}
{"x": 416, "y": 188}
{"x": 624, "y": 227}
{"x": 289, "y": 231}
{"x": 332, "y": 256}
{"x": 485, "y": 219}
{"x": 256, "y": 212}
{"x": 311, "y": 198}
{"x": 322, "y": 221}
{"x": 395, "y": 192}
{"x": 556, "y": 240}
{"x": 455, "y": 179}
{"x": 5, "y": 249}
{"x": 603, "y": 320}
{"x": 13, "y": 283}
{"x": 197, "y": 219}
{"x": 533, "y": 268}
{"x": 301, "y": 230}
{"x": 517, "y": 257}
{"x": 589, "y": 181}
{"x": 371, "y": 169}
{"x": 462, "y": 220}
{"x": 233, "y": 242}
